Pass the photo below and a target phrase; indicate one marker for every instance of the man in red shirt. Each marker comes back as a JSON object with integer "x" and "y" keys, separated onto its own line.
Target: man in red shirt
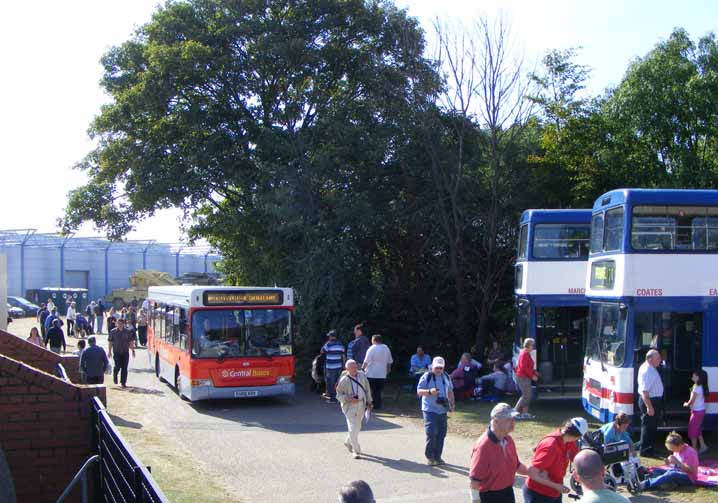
{"x": 552, "y": 456}
{"x": 494, "y": 462}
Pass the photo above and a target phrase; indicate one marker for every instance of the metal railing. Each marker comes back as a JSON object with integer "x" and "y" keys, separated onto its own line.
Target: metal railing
{"x": 80, "y": 477}
{"x": 61, "y": 372}
{"x": 122, "y": 478}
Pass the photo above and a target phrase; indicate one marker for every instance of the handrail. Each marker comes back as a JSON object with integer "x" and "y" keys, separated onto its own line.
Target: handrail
{"x": 81, "y": 475}
{"x": 62, "y": 373}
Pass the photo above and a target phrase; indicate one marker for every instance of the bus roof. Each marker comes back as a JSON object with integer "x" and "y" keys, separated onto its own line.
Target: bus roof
{"x": 668, "y": 197}
{"x": 203, "y": 296}
{"x": 556, "y": 216}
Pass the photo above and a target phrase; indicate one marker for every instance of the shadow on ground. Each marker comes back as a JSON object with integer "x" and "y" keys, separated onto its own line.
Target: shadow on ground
{"x": 305, "y": 413}
{"x": 125, "y": 423}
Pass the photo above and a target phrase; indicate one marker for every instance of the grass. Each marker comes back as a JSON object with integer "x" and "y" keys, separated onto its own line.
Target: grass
{"x": 182, "y": 477}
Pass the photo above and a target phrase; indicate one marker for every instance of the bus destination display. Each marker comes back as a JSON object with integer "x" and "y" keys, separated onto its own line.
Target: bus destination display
{"x": 244, "y": 298}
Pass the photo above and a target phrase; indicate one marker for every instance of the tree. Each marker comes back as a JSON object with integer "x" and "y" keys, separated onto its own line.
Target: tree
{"x": 276, "y": 127}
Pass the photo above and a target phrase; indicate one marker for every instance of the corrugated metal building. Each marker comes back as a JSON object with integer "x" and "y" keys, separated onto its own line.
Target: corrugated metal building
{"x": 38, "y": 260}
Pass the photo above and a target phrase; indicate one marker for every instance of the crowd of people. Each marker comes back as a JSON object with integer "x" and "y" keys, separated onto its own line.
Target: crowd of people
{"x": 361, "y": 369}
{"x": 126, "y": 327}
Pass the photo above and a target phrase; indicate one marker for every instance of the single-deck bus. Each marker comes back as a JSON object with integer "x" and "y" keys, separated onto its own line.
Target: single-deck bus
{"x": 549, "y": 290}
{"x": 222, "y": 342}
{"x": 652, "y": 282}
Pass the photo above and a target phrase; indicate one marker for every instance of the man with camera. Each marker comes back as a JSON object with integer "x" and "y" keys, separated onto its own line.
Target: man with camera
{"x": 354, "y": 395}
{"x": 437, "y": 399}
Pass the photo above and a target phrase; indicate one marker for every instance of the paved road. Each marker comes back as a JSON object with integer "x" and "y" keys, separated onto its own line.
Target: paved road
{"x": 290, "y": 450}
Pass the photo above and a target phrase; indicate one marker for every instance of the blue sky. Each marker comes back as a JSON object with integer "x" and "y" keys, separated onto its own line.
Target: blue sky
{"x": 50, "y": 53}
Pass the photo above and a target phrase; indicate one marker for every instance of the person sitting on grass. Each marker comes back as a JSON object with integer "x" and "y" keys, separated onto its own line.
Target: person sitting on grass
{"x": 495, "y": 382}
{"x": 682, "y": 463}
{"x": 464, "y": 377}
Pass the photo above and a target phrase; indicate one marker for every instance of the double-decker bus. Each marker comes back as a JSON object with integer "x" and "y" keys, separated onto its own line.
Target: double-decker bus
{"x": 652, "y": 282}
{"x": 551, "y": 307}
{"x": 222, "y": 342}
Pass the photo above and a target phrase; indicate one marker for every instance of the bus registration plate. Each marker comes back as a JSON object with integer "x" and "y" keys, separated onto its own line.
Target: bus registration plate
{"x": 245, "y": 394}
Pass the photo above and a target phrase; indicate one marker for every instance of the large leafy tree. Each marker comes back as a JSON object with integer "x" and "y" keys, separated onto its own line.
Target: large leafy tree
{"x": 278, "y": 127}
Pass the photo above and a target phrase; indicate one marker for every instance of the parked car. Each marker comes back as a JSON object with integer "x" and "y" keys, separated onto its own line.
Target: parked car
{"x": 14, "y": 312}
{"x": 27, "y": 307}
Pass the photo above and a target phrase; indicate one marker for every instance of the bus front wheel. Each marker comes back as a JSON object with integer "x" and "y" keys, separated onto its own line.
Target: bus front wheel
{"x": 157, "y": 368}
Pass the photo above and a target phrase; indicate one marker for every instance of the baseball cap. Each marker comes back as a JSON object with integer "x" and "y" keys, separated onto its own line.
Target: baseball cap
{"x": 332, "y": 333}
{"x": 580, "y": 424}
{"x": 438, "y": 362}
{"x": 503, "y": 411}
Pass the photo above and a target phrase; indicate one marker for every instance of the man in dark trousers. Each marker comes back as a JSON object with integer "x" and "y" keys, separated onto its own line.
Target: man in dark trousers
{"x": 356, "y": 350}
{"x": 650, "y": 400}
{"x": 122, "y": 341}
{"x": 42, "y": 315}
{"x": 93, "y": 362}
{"x": 56, "y": 338}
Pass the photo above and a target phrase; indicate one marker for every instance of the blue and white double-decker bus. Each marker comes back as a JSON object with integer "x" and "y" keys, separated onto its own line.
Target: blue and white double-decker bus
{"x": 549, "y": 290}
{"x": 652, "y": 282}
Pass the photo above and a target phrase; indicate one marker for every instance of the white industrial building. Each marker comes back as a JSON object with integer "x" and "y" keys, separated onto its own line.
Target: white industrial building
{"x": 39, "y": 260}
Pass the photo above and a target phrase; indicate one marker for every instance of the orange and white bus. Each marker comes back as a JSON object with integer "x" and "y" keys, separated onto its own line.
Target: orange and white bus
{"x": 222, "y": 341}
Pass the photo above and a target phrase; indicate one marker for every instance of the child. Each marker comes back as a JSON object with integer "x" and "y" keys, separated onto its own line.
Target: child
{"x": 683, "y": 463}
{"x": 697, "y": 405}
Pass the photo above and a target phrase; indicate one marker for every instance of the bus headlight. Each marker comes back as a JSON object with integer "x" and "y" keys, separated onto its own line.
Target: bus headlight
{"x": 285, "y": 380}
{"x": 201, "y": 382}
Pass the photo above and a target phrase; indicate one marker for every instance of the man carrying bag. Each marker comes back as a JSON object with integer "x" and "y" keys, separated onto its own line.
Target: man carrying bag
{"x": 354, "y": 395}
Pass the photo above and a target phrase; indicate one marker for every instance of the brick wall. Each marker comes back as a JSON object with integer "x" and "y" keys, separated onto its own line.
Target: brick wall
{"x": 45, "y": 429}
{"x": 36, "y": 356}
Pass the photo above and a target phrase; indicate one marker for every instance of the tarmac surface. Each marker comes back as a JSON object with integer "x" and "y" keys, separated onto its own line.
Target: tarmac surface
{"x": 291, "y": 449}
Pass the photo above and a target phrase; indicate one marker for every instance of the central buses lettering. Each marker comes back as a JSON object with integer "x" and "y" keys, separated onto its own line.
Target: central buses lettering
{"x": 649, "y": 292}
{"x": 243, "y": 298}
{"x": 231, "y": 373}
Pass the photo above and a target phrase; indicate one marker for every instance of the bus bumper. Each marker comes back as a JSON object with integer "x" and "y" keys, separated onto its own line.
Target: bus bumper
{"x": 213, "y": 392}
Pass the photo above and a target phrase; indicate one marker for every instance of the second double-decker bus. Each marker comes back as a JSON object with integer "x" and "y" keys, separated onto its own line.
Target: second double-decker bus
{"x": 222, "y": 342}
{"x": 549, "y": 292}
{"x": 652, "y": 283}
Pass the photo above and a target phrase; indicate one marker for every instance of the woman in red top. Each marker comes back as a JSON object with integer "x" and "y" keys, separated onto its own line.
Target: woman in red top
{"x": 525, "y": 373}
{"x": 552, "y": 456}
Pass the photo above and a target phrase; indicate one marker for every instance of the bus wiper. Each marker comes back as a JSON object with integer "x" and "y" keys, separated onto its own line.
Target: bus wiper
{"x": 264, "y": 352}
{"x": 600, "y": 354}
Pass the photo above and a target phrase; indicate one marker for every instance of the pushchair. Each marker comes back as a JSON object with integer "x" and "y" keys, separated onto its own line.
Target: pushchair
{"x": 317, "y": 381}
{"x": 622, "y": 469}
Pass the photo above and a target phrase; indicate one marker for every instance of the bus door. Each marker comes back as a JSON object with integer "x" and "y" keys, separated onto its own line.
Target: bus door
{"x": 677, "y": 336}
{"x": 561, "y": 338}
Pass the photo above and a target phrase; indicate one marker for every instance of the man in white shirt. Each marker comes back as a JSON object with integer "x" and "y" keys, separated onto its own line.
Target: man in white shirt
{"x": 377, "y": 364}
{"x": 650, "y": 400}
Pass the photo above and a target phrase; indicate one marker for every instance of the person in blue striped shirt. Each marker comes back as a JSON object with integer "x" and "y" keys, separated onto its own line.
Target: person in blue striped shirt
{"x": 335, "y": 356}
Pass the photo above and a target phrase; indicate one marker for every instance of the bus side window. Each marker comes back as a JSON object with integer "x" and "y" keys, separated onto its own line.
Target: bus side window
{"x": 168, "y": 325}
{"x": 183, "y": 329}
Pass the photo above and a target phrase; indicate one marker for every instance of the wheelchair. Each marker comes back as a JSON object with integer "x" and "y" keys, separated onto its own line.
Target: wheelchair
{"x": 622, "y": 469}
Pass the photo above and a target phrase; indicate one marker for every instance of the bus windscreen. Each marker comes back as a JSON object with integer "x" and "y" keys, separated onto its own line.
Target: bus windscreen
{"x": 231, "y": 333}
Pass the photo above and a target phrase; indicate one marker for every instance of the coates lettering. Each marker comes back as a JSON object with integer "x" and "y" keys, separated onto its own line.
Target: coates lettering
{"x": 649, "y": 292}
{"x": 579, "y": 291}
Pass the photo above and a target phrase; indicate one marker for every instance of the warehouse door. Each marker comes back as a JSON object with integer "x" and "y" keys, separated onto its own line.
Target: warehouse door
{"x": 77, "y": 279}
